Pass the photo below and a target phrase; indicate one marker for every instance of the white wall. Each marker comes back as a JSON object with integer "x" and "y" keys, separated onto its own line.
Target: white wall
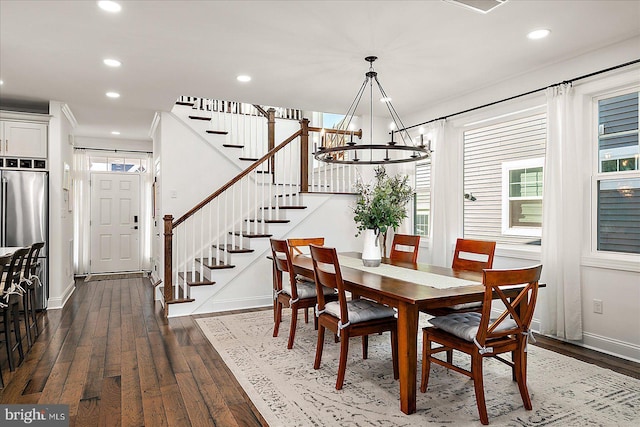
{"x": 616, "y": 283}
{"x": 61, "y": 282}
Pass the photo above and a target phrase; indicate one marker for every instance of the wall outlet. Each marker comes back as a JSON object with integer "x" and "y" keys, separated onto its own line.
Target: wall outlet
{"x": 597, "y": 306}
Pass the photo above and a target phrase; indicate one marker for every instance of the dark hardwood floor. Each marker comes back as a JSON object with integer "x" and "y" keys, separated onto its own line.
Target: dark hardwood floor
{"x": 115, "y": 360}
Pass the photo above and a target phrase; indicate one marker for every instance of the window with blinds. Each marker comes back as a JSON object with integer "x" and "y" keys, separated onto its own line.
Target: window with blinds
{"x": 618, "y": 178}
{"x": 503, "y": 170}
{"x": 422, "y": 199}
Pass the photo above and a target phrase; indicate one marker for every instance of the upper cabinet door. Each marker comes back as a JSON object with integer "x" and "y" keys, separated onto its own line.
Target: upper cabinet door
{"x": 24, "y": 139}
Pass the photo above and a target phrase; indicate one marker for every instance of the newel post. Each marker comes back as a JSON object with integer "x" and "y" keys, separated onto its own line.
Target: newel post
{"x": 168, "y": 259}
{"x": 271, "y": 135}
{"x": 304, "y": 155}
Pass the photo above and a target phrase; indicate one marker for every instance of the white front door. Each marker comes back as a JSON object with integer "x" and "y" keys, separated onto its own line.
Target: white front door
{"x": 115, "y": 222}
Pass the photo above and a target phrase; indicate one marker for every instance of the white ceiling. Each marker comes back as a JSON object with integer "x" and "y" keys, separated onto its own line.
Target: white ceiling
{"x": 301, "y": 54}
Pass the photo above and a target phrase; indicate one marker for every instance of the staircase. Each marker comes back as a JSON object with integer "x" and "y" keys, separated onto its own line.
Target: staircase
{"x": 215, "y": 254}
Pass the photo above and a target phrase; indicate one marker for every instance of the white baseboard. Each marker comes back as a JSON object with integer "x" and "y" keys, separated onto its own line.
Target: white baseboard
{"x": 58, "y": 303}
{"x": 622, "y": 349}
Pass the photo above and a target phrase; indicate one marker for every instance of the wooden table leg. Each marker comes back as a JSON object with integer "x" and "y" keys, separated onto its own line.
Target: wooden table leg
{"x": 407, "y": 356}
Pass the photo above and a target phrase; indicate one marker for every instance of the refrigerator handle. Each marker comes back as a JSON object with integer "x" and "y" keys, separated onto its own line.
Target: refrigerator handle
{"x": 3, "y": 212}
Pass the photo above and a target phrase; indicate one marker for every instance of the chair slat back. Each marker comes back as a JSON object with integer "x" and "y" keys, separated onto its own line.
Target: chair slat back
{"x": 326, "y": 270}
{"x": 281, "y": 254}
{"x": 31, "y": 262}
{"x": 15, "y": 267}
{"x": 479, "y": 248}
{"x": 398, "y": 254}
{"x": 297, "y": 243}
{"x": 519, "y": 309}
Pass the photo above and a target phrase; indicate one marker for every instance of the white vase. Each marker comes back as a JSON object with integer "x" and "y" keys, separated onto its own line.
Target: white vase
{"x": 371, "y": 252}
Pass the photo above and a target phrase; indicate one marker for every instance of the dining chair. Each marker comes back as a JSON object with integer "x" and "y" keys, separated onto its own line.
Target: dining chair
{"x": 292, "y": 293}
{"x": 30, "y": 282}
{"x": 473, "y": 255}
{"x": 480, "y": 335}
{"x": 400, "y": 241}
{"x": 470, "y": 255}
{"x": 11, "y": 296}
{"x": 356, "y": 317}
{"x": 300, "y": 246}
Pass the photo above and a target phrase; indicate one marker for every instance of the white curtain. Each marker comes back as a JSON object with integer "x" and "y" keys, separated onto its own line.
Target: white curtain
{"x": 81, "y": 212}
{"x": 445, "y": 199}
{"x": 560, "y": 306}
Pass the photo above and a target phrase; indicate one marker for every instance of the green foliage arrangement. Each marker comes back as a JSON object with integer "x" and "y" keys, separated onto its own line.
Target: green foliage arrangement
{"x": 383, "y": 204}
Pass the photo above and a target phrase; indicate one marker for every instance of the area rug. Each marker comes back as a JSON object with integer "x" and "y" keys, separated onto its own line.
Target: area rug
{"x": 288, "y": 392}
{"x": 113, "y": 276}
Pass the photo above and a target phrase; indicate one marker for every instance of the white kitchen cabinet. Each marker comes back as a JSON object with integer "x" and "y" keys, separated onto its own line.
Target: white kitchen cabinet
{"x": 23, "y": 139}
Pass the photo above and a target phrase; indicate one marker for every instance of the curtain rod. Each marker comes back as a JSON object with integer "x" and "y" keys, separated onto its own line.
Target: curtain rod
{"x": 635, "y": 61}
{"x": 112, "y": 151}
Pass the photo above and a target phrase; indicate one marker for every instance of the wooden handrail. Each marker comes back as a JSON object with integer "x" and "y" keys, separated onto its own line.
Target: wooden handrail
{"x": 260, "y": 110}
{"x": 241, "y": 175}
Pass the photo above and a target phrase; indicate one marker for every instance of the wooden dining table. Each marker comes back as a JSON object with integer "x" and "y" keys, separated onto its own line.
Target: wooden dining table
{"x": 409, "y": 298}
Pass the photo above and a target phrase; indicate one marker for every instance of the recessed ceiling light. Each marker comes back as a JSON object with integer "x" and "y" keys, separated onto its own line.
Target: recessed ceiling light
{"x": 112, "y": 62}
{"x": 385, "y": 99}
{"x": 109, "y": 6}
{"x": 113, "y": 94}
{"x": 243, "y": 78}
{"x": 115, "y": 132}
{"x": 538, "y": 34}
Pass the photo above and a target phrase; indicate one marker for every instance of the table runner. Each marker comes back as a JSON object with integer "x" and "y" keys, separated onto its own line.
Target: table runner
{"x": 406, "y": 274}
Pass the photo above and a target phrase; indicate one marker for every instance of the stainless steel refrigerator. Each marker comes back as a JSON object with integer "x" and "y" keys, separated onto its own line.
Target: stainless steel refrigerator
{"x": 24, "y": 218}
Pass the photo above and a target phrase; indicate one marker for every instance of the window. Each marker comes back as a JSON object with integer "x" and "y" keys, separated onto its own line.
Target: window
{"x": 617, "y": 183}
{"x": 503, "y": 164}
{"x": 422, "y": 199}
{"x": 98, "y": 163}
{"x": 522, "y": 197}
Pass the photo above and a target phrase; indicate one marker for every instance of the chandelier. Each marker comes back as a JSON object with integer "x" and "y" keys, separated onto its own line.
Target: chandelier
{"x": 400, "y": 149}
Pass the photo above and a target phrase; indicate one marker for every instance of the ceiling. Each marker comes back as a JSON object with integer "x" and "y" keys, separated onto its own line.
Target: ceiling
{"x": 300, "y": 54}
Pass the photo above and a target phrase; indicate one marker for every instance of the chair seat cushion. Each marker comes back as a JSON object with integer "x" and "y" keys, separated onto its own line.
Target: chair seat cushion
{"x": 467, "y": 305}
{"x": 465, "y": 325}
{"x": 301, "y": 278}
{"x": 306, "y": 289}
{"x": 361, "y": 310}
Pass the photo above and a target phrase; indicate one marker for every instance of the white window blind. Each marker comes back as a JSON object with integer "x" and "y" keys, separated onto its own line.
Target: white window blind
{"x": 422, "y": 198}
{"x": 486, "y": 150}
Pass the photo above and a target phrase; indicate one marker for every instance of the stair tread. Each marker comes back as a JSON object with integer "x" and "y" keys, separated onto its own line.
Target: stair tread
{"x": 199, "y": 118}
{"x": 284, "y": 207}
{"x": 251, "y": 235}
{"x": 176, "y": 300}
{"x": 189, "y": 104}
{"x": 218, "y": 132}
{"x": 213, "y": 265}
{"x": 233, "y": 146}
{"x": 233, "y": 249}
{"x": 197, "y": 281}
{"x": 269, "y": 221}
{"x": 249, "y": 159}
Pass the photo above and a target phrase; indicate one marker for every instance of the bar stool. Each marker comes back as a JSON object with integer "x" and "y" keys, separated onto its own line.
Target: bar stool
{"x": 11, "y": 296}
{"x": 30, "y": 282}
{"x": 4, "y": 260}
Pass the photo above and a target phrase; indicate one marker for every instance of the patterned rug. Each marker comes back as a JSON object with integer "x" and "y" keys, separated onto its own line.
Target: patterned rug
{"x": 288, "y": 392}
